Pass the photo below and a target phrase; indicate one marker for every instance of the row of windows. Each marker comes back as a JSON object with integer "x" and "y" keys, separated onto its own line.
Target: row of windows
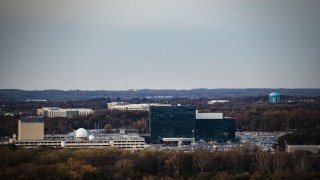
{"x": 121, "y": 142}
{"x": 38, "y": 143}
{"x": 78, "y": 142}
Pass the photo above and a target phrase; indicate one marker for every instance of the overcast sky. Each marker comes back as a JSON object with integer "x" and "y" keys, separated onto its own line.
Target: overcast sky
{"x": 159, "y": 44}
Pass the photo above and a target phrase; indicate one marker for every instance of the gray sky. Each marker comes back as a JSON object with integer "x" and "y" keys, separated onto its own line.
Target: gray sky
{"x": 157, "y": 44}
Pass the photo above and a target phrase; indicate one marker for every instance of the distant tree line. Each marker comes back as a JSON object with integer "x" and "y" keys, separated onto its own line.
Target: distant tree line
{"x": 250, "y": 114}
{"x": 108, "y": 163}
{"x": 278, "y": 117}
{"x": 61, "y": 95}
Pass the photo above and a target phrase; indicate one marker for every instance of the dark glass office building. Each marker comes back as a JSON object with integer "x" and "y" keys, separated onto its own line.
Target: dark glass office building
{"x": 171, "y": 121}
{"x": 220, "y": 130}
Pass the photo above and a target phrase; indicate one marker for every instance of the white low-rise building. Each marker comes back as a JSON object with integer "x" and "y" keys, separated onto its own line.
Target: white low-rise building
{"x": 122, "y": 106}
{"x": 83, "y": 138}
{"x": 217, "y": 101}
{"x": 53, "y": 112}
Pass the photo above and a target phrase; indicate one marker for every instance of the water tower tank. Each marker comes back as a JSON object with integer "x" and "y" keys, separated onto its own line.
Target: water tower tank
{"x": 274, "y": 97}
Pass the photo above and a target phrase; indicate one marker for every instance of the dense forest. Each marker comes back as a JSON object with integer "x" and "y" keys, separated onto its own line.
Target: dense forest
{"x": 276, "y": 117}
{"x": 246, "y": 162}
{"x": 301, "y": 136}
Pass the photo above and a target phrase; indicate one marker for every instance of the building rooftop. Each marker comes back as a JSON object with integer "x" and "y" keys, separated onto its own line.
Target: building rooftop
{"x": 32, "y": 119}
{"x": 209, "y": 115}
{"x": 274, "y": 94}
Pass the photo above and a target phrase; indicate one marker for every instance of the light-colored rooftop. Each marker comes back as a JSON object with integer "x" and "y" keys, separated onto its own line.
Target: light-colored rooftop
{"x": 209, "y": 115}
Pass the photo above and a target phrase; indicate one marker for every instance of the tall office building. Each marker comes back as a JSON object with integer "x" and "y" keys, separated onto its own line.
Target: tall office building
{"x": 31, "y": 128}
{"x": 214, "y": 127}
{"x": 186, "y": 122}
{"x": 171, "y": 121}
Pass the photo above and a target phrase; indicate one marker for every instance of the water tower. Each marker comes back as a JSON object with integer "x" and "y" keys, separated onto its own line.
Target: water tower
{"x": 274, "y": 97}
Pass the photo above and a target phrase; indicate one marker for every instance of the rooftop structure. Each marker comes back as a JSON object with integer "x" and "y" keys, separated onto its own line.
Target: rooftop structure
{"x": 91, "y": 138}
{"x": 81, "y": 133}
{"x": 209, "y": 115}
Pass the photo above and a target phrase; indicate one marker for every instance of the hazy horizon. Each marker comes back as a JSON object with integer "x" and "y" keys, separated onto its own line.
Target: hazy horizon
{"x": 169, "y": 89}
{"x": 167, "y": 44}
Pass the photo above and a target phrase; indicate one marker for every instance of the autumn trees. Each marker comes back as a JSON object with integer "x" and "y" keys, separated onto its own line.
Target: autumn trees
{"x": 302, "y": 136}
{"x": 273, "y": 117}
{"x": 110, "y": 163}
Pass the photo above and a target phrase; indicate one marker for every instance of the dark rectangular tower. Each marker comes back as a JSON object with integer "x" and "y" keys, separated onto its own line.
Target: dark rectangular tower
{"x": 171, "y": 121}
{"x": 215, "y": 129}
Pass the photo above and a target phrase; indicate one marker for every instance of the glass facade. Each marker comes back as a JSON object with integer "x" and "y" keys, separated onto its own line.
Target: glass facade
{"x": 215, "y": 129}
{"x": 72, "y": 114}
{"x": 171, "y": 121}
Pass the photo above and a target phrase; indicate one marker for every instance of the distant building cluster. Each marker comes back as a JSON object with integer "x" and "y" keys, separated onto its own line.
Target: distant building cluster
{"x": 159, "y": 97}
{"x": 217, "y": 101}
{"x": 122, "y": 106}
{"x": 186, "y": 122}
{"x": 31, "y": 135}
{"x": 53, "y": 112}
{"x": 36, "y": 100}
{"x": 167, "y": 124}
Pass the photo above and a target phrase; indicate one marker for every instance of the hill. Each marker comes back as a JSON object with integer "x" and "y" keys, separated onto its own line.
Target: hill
{"x": 62, "y": 95}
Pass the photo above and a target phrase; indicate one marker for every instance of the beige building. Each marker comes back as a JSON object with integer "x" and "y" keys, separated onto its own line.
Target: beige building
{"x": 53, "y": 112}
{"x": 311, "y": 148}
{"x": 31, "y": 128}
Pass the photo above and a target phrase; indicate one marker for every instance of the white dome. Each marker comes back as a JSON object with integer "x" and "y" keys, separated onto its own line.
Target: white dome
{"x": 81, "y": 133}
{"x": 91, "y": 137}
